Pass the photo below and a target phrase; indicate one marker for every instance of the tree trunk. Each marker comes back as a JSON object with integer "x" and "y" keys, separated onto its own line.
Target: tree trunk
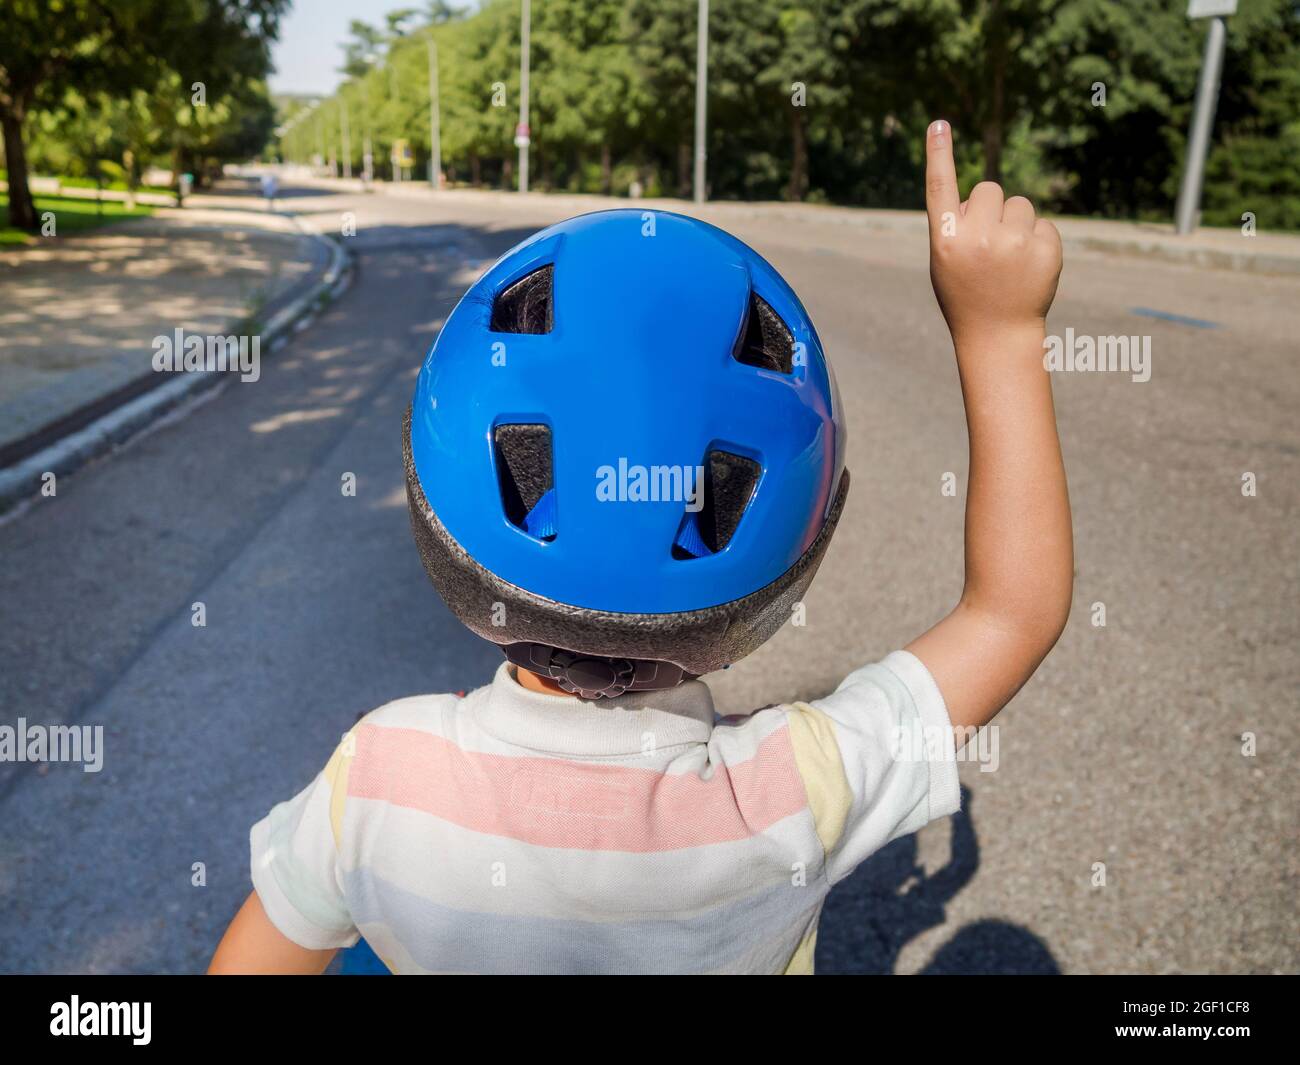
{"x": 22, "y": 212}
{"x": 132, "y": 171}
{"x": 606, "y": 169}
{"x": 180, "y": 163}
{"x": 798, "y": 186}
{"x": 507, "y": 173}
{"x": 684, "y": 160}
{"x": 995, "y": 122}
{"x": 992, "y": 139}
{"x": 475, "y": 170}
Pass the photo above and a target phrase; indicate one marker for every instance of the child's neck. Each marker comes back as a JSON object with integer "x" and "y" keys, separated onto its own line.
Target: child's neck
{"x": 537, "y": 683}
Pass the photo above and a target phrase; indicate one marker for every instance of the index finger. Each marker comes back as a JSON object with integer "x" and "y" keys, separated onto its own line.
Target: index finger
{"x": 940, "y": 174}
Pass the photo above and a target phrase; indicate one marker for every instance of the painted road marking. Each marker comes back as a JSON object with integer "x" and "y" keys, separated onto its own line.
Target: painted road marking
{"x": 1181, "y": 319}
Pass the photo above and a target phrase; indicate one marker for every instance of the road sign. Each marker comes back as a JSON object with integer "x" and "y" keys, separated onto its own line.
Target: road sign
{"x": 402, "y": 155}
{"x": 522, "y": 135}
{"x": 1211, "y": 8}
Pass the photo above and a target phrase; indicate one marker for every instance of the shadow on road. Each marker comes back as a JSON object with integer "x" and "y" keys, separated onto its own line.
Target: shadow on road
{"x": 889, "y": 900}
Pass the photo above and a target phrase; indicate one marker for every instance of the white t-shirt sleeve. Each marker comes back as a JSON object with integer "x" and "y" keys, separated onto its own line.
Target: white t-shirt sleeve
{"x": 895, "y": 742}
{"x": 295, "y": 870}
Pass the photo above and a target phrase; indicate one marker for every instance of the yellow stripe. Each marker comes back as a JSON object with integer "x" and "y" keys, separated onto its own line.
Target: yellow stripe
{"x": 817, "y": 757}
{"x": 801, "y": 962}
{"x": 336, "y": 772}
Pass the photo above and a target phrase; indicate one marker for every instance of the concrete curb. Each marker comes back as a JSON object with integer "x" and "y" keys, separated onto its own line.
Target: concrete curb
{"x": 1204, "y": 252}
{"x": 23, "y": 480}
{"x": 1193, "y": 255}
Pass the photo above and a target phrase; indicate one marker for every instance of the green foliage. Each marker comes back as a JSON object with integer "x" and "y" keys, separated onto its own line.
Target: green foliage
{"x": 824, "y": 100}
{"x": 1253, "y": 166}
{"x": 126, "y": 80}
{"x": 613, "y": 95}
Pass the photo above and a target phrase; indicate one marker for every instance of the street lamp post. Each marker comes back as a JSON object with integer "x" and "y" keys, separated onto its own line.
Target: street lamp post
{"x": 367, "y": 157}
{"x": 394, "y": 88}
{"x": 701, "y": 94}
{"x": 435, "y": 132}
{"x": 1207, "y": 98}
{"x": 347, "y": 138}
{"x": 523, "y": 135}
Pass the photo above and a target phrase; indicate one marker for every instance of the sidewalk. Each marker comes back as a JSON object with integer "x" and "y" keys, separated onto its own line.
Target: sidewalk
{"x": 78, "y": 315}
{"x": 1214, "y": 248}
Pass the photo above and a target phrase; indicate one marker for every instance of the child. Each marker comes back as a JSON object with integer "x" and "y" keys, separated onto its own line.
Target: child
{"x": 270, "y": 186}
{"x": 585, "y": 812}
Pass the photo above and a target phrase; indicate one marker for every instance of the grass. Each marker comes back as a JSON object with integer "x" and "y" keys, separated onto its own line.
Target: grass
{"x": 108, "y": 186}
{"x": 115, "y": 185}
{"x": 71, "y": 216}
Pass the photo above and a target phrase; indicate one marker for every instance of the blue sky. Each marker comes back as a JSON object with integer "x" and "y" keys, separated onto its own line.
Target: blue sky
{"x": 309, "y": 52}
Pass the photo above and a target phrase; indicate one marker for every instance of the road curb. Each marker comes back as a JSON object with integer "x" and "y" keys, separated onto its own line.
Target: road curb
{"x": 23, "y": 480}
{"x": 1135, "y": 245}
{"x": 1195, "y": 255}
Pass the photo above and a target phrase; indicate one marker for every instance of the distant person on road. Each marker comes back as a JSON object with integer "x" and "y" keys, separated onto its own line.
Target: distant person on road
{"x": 270, "y": 185}
{"x": 624, "y": 463}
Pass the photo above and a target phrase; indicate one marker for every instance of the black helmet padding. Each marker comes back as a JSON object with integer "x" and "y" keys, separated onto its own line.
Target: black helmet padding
{"x": 700, "y": 641}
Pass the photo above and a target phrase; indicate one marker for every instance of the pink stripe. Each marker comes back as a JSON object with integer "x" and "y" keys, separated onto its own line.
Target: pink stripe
{"x": 552, "y": 803}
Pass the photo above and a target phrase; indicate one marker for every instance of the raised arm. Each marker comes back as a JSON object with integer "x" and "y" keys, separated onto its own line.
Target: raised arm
{"x": 994, "y": 268}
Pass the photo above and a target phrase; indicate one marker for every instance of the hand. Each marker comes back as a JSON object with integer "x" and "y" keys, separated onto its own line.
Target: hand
{"x": 994, "y": 266}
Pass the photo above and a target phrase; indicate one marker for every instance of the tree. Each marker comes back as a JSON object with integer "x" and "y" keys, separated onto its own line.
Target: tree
{"x": 45, "y": 51}
{"x": 1112, "y": 110}
{"x": 440, "y": 11}
{"x": 785, "y": 67}
{"x": 584, "y": 105}
{"x": 613, "y": 85}
{"x": 1252, "y": 168}
{"x": 662, "y": 40}
{"x": 982, "y": 63}
{"x": 398, "y": 20}
{"x": 363, "y": 51}
{"x": 91, "y": 47}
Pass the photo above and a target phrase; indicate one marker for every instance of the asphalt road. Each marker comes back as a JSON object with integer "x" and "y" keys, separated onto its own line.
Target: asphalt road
{"x": 1126, "y": 749}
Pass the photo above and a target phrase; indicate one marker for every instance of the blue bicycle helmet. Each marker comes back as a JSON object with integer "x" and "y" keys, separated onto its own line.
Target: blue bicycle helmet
{"x": 624, "y": 457}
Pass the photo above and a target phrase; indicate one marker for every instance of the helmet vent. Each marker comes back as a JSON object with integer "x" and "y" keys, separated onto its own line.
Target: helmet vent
{"x": 729, "y": 482}
{"x": 765, "y": 341}
{"x": 525, "y": 306}
{"x": 525, "y": 476}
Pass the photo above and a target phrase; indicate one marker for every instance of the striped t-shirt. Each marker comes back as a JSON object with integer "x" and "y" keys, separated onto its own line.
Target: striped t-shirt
{"x": 511, "y": 831}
